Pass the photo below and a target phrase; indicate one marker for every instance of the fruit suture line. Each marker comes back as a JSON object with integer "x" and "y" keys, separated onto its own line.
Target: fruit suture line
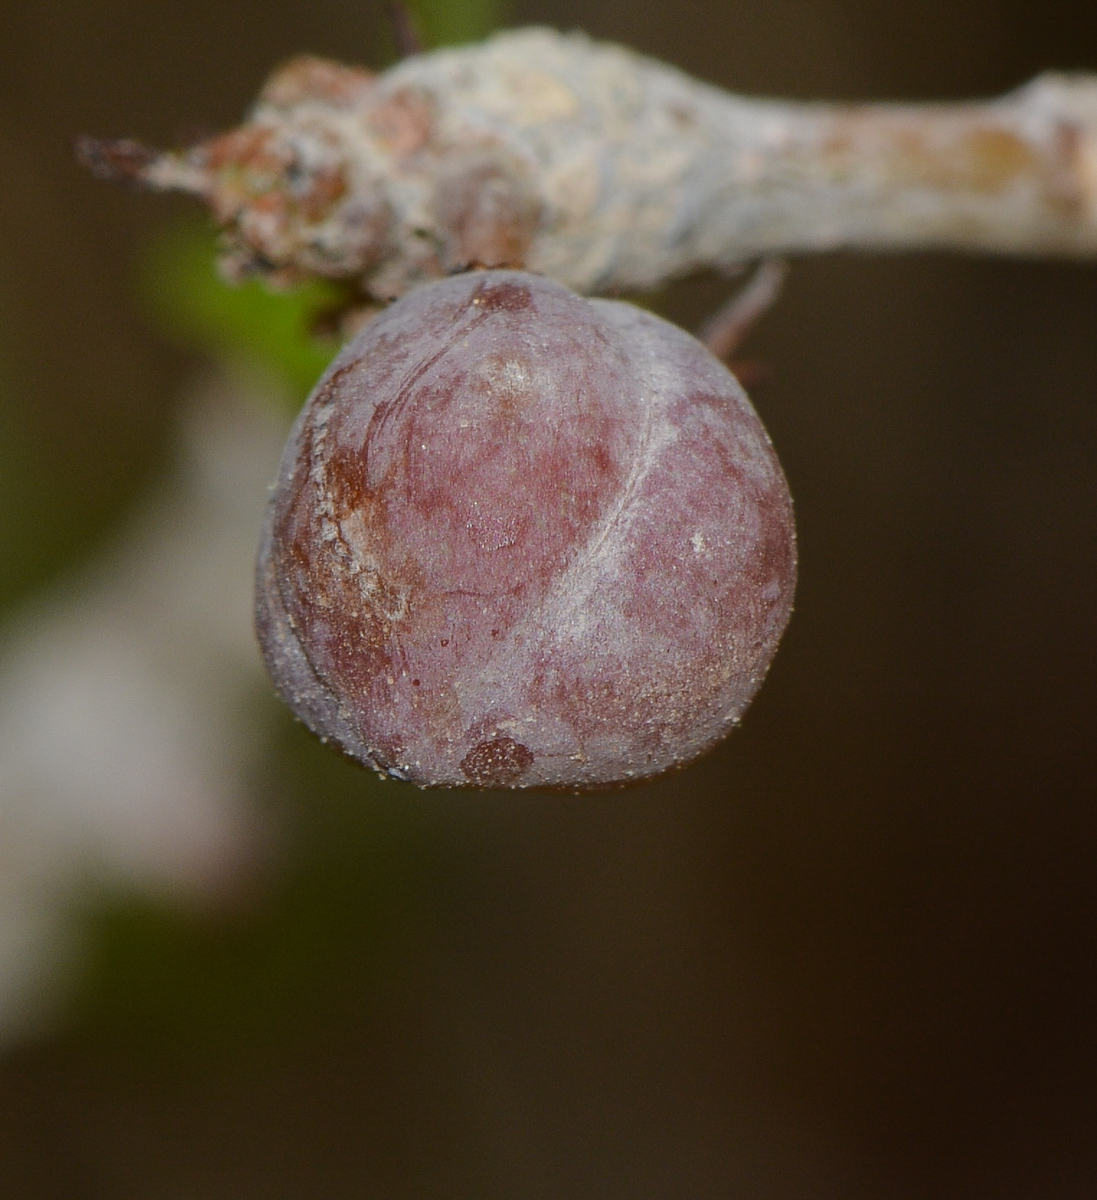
{"x": 611, "y": 172}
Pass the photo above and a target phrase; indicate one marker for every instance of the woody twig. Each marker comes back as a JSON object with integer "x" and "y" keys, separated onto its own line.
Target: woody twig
{"x": 611, "y": 172}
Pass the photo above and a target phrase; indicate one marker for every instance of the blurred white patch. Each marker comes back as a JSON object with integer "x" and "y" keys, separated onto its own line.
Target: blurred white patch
{"x": 126, "y": 703}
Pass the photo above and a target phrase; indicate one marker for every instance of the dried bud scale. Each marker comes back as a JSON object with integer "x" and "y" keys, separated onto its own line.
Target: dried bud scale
{"x": 520, "y": 539}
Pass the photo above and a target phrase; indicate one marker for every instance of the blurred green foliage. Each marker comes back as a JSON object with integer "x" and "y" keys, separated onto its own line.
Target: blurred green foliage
{"x": 293, "y": 956}
{"x": 451, "y": 22}
{"x": 270, "y": 330}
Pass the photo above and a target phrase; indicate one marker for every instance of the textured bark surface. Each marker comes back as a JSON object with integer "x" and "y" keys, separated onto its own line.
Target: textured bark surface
{"x": 608, "y": 171}
{"x": 522, "y": 538}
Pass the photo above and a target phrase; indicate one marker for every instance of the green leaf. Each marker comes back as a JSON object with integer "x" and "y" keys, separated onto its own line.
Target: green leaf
{"x": 452, "y": 22}
{"x": 192, "y": 305}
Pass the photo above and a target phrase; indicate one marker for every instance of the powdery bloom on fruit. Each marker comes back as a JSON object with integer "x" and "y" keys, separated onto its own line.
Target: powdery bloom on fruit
{"x": 481, "y": 561}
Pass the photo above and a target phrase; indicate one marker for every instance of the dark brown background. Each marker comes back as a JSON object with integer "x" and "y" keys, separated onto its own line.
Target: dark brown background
{"x": 852, "y": 953}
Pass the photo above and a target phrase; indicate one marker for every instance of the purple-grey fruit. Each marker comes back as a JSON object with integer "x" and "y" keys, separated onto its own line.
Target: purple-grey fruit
{"x": 521, "y": 538}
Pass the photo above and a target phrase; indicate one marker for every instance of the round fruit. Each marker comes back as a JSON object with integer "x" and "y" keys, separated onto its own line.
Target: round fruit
{"x": 521, "y": 538}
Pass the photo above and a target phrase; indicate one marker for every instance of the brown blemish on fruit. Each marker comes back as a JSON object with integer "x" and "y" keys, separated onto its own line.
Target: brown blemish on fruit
{"x": 501, "y": 297}
{"x": 497, "y": 763}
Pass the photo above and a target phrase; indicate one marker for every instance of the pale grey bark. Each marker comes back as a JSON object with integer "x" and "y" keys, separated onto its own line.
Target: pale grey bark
{"x": 611, "y": 172}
